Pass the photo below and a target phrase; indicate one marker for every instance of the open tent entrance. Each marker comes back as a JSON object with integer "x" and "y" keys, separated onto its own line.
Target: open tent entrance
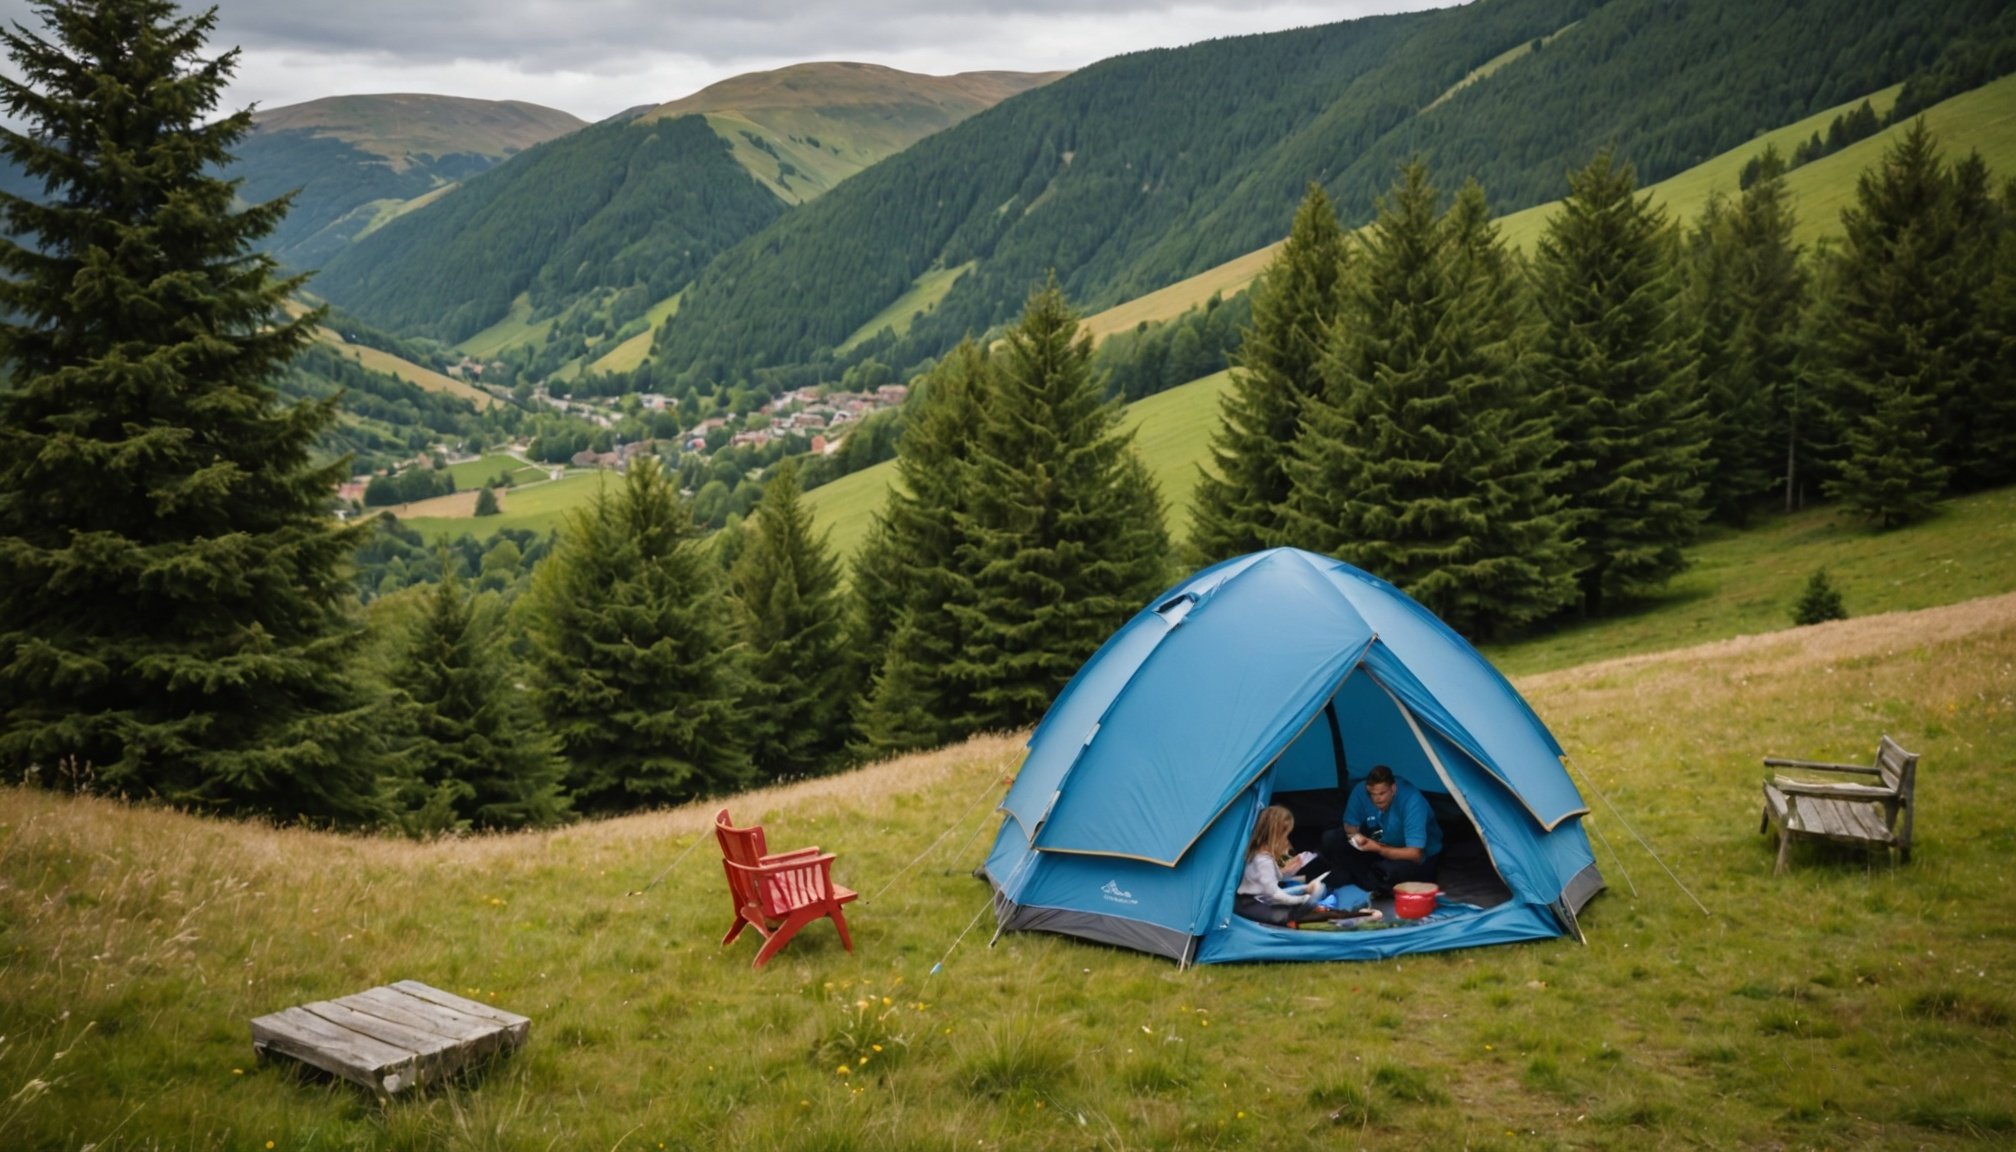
{"x": 1363, "y": 725}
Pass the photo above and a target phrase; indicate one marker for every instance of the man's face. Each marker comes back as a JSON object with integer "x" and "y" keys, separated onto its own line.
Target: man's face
{"x": 1381, "y": 795}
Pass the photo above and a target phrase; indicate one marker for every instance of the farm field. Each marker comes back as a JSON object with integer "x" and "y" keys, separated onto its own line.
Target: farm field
{"x": 538, "y": 507}
{"x": 475, "y": 473}
{"x": 1845, "y": 1004}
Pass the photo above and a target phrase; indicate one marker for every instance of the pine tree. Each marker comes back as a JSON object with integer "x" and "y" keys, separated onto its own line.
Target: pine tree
{"x": 631, "y": 652}
{"x": 1819, "y": 602}
{"x": 908, "y": 573}
{"x": 468, "y": 751}
{"x": 486, "y": 501}
{"x": 1238, "y": 508}
{"x": 1064, "y": 537}
{"x": 172, "y": 589}
{"x": 1423, "y": 462}
{"x": 1898, "y": 327}
{"x": 1746, "y": 291}
{"x": 1994, "y": 409}
{"x": 786, "y": 586}
{"x": 1613, "y": 364}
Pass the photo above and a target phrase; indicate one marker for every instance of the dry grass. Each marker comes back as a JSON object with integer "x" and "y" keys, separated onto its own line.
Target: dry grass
{"x": 1843, "y": 1005}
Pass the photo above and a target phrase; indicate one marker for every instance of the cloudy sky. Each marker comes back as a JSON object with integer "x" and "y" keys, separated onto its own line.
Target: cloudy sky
{"x": 597, "y": 57}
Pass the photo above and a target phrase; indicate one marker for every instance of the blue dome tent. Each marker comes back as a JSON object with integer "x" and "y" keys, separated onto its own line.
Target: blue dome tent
{"x": 1281, "y": 677}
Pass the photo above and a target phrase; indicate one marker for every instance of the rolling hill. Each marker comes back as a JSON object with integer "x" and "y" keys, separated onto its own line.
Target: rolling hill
{"x": 359, "y": 161}
{"x": 1141, "y": 170}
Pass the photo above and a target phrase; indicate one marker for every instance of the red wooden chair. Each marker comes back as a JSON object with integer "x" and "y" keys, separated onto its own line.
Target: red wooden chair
{"x": 777, "y": 894}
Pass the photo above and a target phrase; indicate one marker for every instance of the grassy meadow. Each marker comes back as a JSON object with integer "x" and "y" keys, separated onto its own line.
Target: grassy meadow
{"x": 1847, "y": 1004}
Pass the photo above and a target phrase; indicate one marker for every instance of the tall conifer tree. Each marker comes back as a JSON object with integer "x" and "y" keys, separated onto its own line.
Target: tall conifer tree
{"x": 787, "y": 591}
{"x": 172, "y": 589}
{"x": 632, "y": 662}
{"x": 1614, "y": 365}
{"x": 1745, "y": 295}
{"x": 1238, "y": 507}
{"x": 1902, "y": 325}
{"x": 1064, "y": 538}
{"x": 467, "y": 748}
{"x": 1424, "y": 462}
{"x": 908, "y": 570}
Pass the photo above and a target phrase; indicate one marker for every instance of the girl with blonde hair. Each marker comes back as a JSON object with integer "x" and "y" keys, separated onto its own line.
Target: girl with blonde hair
{"x": 1263, "y": 896}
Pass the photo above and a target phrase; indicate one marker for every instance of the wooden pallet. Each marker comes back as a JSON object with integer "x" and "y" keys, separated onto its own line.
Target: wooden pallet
{"x": 389, "y": 1039}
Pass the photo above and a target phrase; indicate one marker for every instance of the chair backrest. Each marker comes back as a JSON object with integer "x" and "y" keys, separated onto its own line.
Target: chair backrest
{"x": 741, "y": 849}
{"x": 1897, "y": 768}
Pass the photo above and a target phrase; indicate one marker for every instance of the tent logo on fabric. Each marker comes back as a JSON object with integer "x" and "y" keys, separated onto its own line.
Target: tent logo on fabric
{"x": 1117, "y": 894}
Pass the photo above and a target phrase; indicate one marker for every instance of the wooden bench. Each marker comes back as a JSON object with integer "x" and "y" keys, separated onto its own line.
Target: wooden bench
{"x": 777, "y": 894}
{"x": 1872, "y": 813}
{"x": 389, "y": 1039}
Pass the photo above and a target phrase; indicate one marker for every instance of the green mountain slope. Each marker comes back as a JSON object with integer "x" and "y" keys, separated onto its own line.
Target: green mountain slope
{"x": 599, "y": 230}
{"x": 803, "y": 129}
{"x": 1138, "y": 171}
{"x": 619, "y": 205}
{"x": 1174, "y": 428}
{"x": 361, "y": 160}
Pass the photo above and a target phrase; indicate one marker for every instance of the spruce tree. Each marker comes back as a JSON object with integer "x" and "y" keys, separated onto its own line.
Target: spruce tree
{"x": 172, "y": 588}
{"x": 786, "y": 586}
{"x": 1613, "y": 364}
{"x": 631, "y": 652}
{"x": 1994, "y": 428}
{"x": 908, "y": 573}
{"x": 1063, "y": 537}
{"x": 1238, "y": 507}
{"x": 1424, "y": 461}
{"x": 1899, "y": 325}
{"x": 468, "y": 750}
{"x": 1745, "y": 293}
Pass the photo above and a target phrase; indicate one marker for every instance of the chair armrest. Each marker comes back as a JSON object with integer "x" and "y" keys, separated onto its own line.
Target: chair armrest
{"x": 1820, "y": 765}
{"x": 795, "y": 853}
{"x": 1833, "y": 791}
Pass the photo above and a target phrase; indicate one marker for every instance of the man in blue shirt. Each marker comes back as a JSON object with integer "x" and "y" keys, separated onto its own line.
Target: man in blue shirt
{"x": 1389, "y": 836}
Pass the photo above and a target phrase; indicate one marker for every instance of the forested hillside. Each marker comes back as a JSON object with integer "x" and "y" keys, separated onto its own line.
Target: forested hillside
{"x": 1145, "y": 168}
{"x": 617, "y": 206}
{"x": 358, "y": 160}
{"x": 595, "y": 230}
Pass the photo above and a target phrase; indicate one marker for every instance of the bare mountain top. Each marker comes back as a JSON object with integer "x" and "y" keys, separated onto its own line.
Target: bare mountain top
{"x": 803, "y": 129}
{"x": 839, "y": 84}
{"x": 402, "y": 125}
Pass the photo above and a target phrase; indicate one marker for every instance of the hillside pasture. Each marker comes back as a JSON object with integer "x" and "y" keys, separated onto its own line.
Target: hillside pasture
{"x": 404, "y": 369}
{"x": 516, "y": 328}
{"x": 920, "y": 298}
{"x": 1845, "y": 1004}
{"x": 628, "y": 355}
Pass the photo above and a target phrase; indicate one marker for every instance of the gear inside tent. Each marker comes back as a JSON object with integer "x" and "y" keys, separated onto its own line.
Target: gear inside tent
{"x": 1282, "y": 677}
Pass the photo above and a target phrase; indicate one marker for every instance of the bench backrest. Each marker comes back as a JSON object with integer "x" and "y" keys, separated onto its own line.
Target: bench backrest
{"x": 1898, "y": 768}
